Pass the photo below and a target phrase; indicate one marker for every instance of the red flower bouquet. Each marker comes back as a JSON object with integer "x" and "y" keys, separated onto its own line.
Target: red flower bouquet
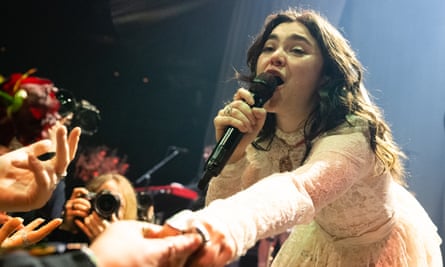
{"x": 28, "y": 108}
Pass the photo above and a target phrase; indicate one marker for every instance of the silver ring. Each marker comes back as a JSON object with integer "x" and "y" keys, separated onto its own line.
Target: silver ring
{"x": 25, "y": 239}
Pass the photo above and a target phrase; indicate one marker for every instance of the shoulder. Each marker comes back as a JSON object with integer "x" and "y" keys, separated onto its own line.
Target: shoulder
{"x": 353, "y": 124}
{"x": 351, "y": 138}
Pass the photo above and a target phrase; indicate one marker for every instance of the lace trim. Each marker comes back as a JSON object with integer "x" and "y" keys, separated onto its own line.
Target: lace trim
{"x": 292, "y": 138}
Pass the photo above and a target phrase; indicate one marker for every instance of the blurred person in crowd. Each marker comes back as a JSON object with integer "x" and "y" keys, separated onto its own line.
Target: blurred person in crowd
{"x": 90, "y": 210}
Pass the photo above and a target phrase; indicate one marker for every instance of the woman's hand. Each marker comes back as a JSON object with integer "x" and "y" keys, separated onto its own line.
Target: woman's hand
{"x": 93, "y": 225}
{"x": 217, "y": 250}
{"x": 239, "y": 114}
{"x": 77, "y": 207}
{"x": 14, "y": 234}
{"x": 26, "y": 182}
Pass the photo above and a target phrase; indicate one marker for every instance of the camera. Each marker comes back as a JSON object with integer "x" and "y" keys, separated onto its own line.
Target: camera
{"x": 82, "y": 113}
{"x": 104, "y": 203}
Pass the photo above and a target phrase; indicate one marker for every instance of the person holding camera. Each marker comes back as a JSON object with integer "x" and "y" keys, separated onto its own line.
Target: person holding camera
{"x": 89, "y": 211}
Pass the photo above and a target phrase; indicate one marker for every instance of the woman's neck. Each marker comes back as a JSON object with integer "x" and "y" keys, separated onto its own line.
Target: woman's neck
{"x": 291, "y": 123}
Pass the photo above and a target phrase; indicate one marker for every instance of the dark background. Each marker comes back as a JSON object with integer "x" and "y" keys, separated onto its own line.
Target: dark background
{"x": 158, "y": 70}
{"x": 150, "y": 68}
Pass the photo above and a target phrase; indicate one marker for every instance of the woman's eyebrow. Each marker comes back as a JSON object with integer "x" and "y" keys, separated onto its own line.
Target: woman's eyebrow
{"x": 292, "y": 37}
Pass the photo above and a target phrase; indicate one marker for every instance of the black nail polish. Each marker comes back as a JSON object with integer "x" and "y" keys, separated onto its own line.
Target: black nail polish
{"x": 46, "y": 156}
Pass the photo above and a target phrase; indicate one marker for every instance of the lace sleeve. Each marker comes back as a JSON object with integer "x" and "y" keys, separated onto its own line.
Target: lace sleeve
{"x": 283, "y": 200}
{"x": 334, "y": 165}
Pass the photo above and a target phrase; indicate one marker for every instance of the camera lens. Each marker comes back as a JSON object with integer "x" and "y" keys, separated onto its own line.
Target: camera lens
{"x": 87, "y": 119}
{"x": 105, "y": 204}
{"x": 67, "y": 102}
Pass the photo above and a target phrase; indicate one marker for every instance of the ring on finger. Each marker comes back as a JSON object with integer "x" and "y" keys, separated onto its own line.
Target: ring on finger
{"x": 25, "y": 239}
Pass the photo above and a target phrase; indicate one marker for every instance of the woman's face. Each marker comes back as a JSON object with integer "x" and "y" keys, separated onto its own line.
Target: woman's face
{"x": 292, "y": 54}
{"x": 113, "y": 187}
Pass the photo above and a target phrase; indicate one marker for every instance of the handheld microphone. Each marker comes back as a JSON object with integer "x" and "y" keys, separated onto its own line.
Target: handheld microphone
{"x": 262, "y": 89}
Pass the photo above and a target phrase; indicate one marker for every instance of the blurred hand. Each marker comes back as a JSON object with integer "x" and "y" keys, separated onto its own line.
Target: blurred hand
{"x": 14, "y": 234}
{"x": 123, "y": 245}
{"x": 93, "y": 225}
{"x": 217, "y": 251}
{"x": 27, "y": 183}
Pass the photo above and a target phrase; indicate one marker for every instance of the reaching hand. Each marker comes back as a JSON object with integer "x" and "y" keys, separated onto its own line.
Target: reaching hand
{"x": 123, "y": 245}
{"x": 14, "y": 234}
{"x": 27, "y": 183}
{"x": 217, "y": 251}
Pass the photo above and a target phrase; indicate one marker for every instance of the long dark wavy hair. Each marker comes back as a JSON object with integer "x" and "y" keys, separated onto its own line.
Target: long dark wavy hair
{"x": 341, "y": 95}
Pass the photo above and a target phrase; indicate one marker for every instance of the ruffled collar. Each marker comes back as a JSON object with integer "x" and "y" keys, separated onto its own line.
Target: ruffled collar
{"x": 292, "y": 138}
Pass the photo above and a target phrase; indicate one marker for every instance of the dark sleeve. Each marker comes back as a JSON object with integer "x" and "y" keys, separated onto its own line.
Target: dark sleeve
{"x": 69, "y": 259}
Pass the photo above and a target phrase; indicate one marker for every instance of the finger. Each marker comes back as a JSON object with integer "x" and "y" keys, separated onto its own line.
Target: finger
{"x": 41, "y": 177}
{"x": 245, "y": 95}
{"x": 78, "y": 192}
{"x": 62, "y": 150}
{"x": 9, "y": 227}
{"x": 73, "y": 141}
{"x": 113, "y": 218}
{"x": 96, "y": 219}
{"x": 243, "y": 112}
{"x": 152, "y": 230}
{"x": 37, "y": 148}
{"x": 42, "y": 232}
{"x": 82, "y": 226}
{"x": 260, "y": 116}
{"x": 34, "y": 224}
{"x": 176, "y": 249}
{"x": 40, "y": 147}
{"x": 4, "y": 217}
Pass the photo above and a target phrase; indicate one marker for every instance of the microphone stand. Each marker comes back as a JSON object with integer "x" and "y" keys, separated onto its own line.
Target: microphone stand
{"x": 147, "y": 176}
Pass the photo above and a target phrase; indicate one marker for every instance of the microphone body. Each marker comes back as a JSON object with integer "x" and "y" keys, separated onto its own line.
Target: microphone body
{"x": 262, "y": 89}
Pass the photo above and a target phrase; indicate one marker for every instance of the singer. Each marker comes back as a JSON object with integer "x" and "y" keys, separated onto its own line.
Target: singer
{"x": 317, "y": 161}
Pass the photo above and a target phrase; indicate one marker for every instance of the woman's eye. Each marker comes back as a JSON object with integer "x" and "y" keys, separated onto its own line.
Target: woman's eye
{"x": 268, "y": 49}
{"x": 297, "y": 50}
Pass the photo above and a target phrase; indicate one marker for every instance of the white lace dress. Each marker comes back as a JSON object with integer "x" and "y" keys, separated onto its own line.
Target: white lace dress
{"x": 343, "y": 212}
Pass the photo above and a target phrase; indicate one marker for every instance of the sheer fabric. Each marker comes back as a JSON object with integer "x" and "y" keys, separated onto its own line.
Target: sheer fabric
{"x": 346, "y": 212}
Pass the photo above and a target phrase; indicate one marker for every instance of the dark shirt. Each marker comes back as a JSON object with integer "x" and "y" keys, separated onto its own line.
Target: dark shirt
{"x": 22, "y": 258}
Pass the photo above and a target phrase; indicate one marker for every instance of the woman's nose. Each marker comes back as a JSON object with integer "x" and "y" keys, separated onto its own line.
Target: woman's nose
{"x": 277, "y": 58}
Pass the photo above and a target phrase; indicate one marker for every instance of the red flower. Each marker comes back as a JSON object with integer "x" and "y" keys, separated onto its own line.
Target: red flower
{"x": 31, "y": 109}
